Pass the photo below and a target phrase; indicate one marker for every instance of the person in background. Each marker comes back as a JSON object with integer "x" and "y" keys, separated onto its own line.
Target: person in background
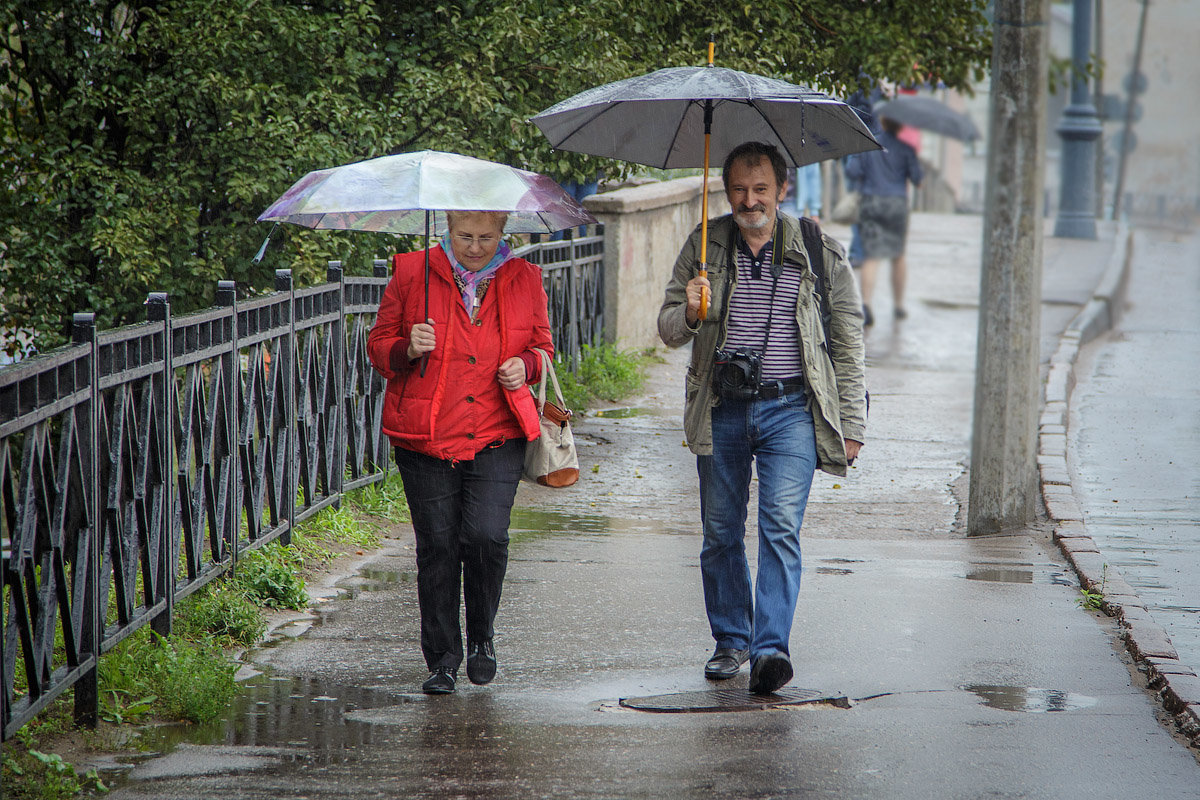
{"x": 883, "y": 177}
{"x": 803, "y": 406}
{"x": 808, "y": 191}
{"x": 458, "y": 413}
{"x": 863, "y": 104}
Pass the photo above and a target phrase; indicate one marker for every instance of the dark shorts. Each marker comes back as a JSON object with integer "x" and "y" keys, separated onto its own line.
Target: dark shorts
{"x": 883, "y": 225}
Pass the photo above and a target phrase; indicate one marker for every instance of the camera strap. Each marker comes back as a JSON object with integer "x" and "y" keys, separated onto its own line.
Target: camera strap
{"x": 735, "y": 237}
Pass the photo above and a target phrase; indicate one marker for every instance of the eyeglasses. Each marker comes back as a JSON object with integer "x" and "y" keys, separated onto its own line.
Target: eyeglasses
{"x": 467, "y": 240}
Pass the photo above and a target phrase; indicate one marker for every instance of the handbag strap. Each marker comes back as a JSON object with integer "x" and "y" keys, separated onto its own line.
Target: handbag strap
{"x": 548, "y": 372}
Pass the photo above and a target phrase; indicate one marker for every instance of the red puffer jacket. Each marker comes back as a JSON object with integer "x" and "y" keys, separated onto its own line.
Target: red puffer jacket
{"x": 458, "y": 407}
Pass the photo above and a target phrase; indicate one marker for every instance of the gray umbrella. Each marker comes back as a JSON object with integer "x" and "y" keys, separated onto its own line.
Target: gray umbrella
{"x": 685, "y": 116}
{"x": 658, "y": 119}
{"x": 928, "y": 114}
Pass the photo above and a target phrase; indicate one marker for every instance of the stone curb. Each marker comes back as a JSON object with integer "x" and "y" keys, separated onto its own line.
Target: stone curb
{"x": 1175, "y": 683}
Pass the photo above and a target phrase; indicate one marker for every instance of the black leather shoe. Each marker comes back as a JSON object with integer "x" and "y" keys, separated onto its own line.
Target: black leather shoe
{"x": 769, "y": 673}
{"x": 441, "y": 681}
{"x": 481, "y": 661}
{"x": 725, "y": 663}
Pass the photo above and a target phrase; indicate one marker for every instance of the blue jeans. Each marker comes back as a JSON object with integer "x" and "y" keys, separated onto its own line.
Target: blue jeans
{"x": 460, "y": 515}
{"x": 779, "y": 435}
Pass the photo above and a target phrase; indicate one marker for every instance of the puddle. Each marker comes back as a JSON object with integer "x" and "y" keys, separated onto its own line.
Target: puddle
{"x": 529, "y": 522}
{"x": 620, "y": 413}
{"x": 302, "y": 713}
{"x": 1028, "y": 699}
{"x": 1000, "y": 575}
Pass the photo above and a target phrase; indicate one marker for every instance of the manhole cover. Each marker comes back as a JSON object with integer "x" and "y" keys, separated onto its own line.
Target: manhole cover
{"x": 729, "y": 700}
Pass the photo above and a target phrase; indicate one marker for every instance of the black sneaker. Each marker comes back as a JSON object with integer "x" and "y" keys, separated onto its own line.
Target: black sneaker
{"x": 441, "y": 681}
{"x": 769, "y": 673}
{"x": 481, "y": 661}
{"x": 868, "y": 317}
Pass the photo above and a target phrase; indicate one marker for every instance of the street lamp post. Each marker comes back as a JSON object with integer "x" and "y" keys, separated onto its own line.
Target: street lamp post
{"x": 1079, "y": 130}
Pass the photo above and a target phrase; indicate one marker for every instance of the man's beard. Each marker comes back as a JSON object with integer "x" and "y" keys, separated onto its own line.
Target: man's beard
{"x": 741, "y": 217}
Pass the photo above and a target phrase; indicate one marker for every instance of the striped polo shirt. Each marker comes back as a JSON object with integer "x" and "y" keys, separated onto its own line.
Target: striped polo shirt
{"x": 750, "y": 305}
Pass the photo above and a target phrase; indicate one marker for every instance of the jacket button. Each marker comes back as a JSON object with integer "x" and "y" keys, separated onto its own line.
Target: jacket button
{"x": 470, "y": 436}
{"x": 470, "y": 359}
{"x": 470, "y": 398}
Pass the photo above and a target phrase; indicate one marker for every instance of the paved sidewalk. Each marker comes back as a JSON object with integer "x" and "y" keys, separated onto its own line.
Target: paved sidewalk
{"x": 969, "y": 667}
{"x": 1124, "y": 500}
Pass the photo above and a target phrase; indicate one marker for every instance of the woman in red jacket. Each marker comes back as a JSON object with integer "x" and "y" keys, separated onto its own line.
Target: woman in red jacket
{"x": 459, "y": 430}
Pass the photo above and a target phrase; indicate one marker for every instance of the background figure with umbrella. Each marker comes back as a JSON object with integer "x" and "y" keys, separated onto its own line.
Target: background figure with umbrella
{"x": 883, "y": 177}
{"x": 762, "y": 315}
{"x": 476, "y": 313}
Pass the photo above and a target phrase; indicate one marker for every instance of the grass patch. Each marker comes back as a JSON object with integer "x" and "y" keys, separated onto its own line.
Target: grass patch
{"x": 171, "y": 678}
{"x": 28, "y": 768}
{"x": 605, "y": 374}
{"x": 220, "y": 610}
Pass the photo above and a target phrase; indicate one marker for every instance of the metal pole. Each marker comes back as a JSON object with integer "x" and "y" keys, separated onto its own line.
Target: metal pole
{"x": 287, "y": 365}
{"x": 1098, "y": 101}
{"x": 335, "y": 274}
{"x": 1003, "y": 473}
{"x": 1127, "y": 130}
{"x": 87, "y": 688}
{"x": 158, "y": 309}
{"x": 1079, "y": 130}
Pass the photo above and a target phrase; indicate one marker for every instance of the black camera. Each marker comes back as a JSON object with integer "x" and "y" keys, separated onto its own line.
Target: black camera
{"x": 737, "y": 373}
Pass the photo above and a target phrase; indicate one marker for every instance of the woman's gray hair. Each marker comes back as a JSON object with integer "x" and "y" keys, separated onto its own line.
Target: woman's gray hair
{"x": 499, "y": 217}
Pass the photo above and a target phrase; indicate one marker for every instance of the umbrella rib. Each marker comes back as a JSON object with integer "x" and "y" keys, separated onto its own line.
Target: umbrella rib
{"x": 775, "y": 130}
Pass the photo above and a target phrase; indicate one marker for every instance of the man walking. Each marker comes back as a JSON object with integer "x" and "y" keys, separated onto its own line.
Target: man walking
{"x": 770, "y": 383}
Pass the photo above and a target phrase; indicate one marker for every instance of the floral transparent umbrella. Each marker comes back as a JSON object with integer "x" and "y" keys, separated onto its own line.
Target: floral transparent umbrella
{"x": 411, "y": 193}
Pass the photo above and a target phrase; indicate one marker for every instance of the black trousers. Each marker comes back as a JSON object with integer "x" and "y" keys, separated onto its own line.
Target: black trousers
{"x": 460, "y": 513}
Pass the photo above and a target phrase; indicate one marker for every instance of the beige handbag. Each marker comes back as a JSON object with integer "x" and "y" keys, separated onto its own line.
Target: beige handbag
{"x": 550, "y": 459}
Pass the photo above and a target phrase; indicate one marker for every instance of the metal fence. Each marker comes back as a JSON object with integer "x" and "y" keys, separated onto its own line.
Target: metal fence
{"x": 573, "y": 274}
{"x": 138, "y": 464}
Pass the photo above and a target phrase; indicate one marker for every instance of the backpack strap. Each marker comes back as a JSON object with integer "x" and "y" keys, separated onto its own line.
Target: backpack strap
{"x": 815, "y": 247}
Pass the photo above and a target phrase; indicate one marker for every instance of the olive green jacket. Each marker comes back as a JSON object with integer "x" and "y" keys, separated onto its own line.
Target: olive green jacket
{"x": 833, "y": 370}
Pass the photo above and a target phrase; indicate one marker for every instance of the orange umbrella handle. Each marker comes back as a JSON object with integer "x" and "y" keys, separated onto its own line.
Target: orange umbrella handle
{"x": 703, "y": 273}
{"x": 703, "y": 313}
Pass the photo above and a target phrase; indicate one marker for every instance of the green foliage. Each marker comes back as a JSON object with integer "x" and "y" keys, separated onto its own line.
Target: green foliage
{"x": 141, "y": 141}
{"x": 1093, "y": 598}
{"x": 605, "y": 373}
{"x": 336, "y": 526}
{"x": 179, "y": 678}
{"x": 222, "y": 611}
{"x": 29, "y": 774}
{"x": 270, "y": 576}
{"x": 383, "y": 499}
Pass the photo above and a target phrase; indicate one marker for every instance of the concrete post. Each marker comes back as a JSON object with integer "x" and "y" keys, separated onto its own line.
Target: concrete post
{"x": 1079, "y": 130}
{"x": 1003, "y": 474}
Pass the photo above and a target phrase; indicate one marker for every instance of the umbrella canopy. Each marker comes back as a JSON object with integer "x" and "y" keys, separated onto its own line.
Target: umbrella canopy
{"x": 392, "y": 194}
{"x": 928, "y": 114}
{"x": 658, "y": 119}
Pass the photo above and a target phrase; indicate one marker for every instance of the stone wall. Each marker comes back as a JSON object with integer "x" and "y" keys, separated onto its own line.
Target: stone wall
{"x": 644, "y": 228}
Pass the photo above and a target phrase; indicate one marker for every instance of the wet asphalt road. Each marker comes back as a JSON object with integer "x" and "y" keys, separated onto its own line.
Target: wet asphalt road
{"x": 1135, "y": 436}
{"x": 968, "y": 668}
